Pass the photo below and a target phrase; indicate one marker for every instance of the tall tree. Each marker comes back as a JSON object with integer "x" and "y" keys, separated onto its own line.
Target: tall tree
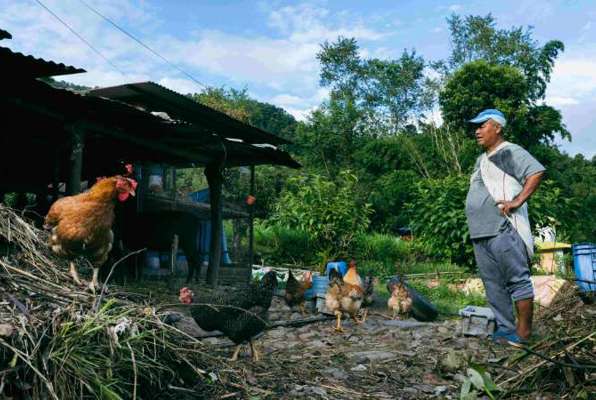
{"x": 477, "y": 38}
{"x": 500, "y": 68}
{"x": 390, "y": 93}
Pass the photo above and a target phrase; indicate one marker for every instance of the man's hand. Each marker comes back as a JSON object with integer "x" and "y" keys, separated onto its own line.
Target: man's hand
{"x": 507, "y": 207}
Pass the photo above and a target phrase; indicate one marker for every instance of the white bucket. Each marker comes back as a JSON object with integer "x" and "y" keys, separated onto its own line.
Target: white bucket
{"x": 155, "y": 183}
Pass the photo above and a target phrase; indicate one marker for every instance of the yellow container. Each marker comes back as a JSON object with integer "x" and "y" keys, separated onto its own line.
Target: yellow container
{"x": 551, "y": 256}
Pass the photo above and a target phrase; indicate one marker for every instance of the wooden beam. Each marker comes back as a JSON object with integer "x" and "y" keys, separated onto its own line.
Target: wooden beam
{"x": 153, "y": 145}
{"x": 77, "y": 141}
{"x": 213, "y": 172}
{"x": 251, "y": 212}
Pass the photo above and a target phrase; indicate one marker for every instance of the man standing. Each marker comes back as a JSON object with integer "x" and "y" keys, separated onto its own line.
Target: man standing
{"x": 504, "y": 177}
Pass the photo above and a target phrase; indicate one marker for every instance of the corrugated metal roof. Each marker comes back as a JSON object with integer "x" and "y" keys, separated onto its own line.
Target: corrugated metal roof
{"x": 115, "y": 132}
{"x": 156, "y": 98}
{"x": 18, "y": 64}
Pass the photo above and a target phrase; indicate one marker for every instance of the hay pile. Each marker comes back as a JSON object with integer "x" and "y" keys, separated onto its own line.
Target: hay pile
{"x": 58, "y": 342}
{"x": 563, "y": 362}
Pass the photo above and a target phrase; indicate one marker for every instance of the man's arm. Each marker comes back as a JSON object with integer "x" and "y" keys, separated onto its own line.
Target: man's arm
{"x": 530, "y": 187}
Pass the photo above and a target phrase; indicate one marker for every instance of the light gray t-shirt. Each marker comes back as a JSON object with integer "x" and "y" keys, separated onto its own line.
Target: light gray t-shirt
{"x": 484, "y": 217}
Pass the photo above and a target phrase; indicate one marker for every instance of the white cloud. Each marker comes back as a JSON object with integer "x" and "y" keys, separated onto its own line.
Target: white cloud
{"x": 286, "y": 100}
{"x": 573, "y": 80}
{"x": 300, "y": 107}
{"x": 300, "y": 114}
{"x": 455, "y": 8}
{"x": 560, "y": 101}
{"x": 306, "y": 23}
{"x": 183, "y": 86}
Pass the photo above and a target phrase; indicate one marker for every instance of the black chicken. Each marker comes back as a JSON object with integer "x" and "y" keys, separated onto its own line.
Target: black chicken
{"x": 369, "y": 294}
{"x": 239, "y": 316}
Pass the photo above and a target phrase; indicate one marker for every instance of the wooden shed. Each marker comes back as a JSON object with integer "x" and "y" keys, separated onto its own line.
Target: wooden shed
{"x": 57, "y": 136}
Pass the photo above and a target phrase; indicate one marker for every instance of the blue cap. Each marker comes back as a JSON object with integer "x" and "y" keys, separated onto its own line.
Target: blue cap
{"x": 490, "y": 113}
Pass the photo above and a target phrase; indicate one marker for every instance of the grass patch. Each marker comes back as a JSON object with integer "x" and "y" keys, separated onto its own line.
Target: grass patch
{"x": 446, "y": 297}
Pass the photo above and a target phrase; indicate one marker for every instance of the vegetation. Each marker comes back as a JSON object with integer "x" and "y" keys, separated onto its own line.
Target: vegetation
{"x": 374, "y": 163}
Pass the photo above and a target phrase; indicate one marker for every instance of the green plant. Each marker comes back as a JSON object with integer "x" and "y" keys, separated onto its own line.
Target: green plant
{"x": 381, "y": 247}
{"x": 445, "y": 296}
{"x": 438, "y": 219}
{"x": 328, "y": 211}
{"x": 281, "y": 245}
{"x": 476, "y": 382}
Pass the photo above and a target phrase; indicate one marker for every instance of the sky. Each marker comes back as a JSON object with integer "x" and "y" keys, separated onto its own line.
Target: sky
{"x": 269, "y": 47}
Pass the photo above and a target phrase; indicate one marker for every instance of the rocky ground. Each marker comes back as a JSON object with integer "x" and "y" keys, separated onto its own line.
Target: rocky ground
{"x": 381, "y": 359}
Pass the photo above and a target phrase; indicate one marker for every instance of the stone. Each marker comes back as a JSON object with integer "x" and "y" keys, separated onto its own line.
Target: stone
{"x": 374, "y": 355}
{"x": 359, "y": 368}
{"x": 306, "y": 336}
{"x": 6, "y": 330}
{"x": 276, "y": 333}
{"x": 212, "y": 341}
{"x": 546, "y": 288}
{"x": 439, "y": 390}
{"x": 316, "y": 343}
{"x": 407, "y": 324}
{"x": 335, "y": 373}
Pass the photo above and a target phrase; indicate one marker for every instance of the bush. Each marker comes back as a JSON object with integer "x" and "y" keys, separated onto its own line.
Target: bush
{"x": 380, "y": 246}
{"x": 282, "y": 245}
{"x": 328, "y": 211}
{"x": 438, "y": 218}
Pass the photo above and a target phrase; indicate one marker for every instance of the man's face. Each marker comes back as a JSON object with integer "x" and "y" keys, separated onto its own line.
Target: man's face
{"x": 488, "y": 134}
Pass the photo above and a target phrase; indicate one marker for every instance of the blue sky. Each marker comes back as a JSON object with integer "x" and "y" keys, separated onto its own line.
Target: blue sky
{"x": 269, "y": 47}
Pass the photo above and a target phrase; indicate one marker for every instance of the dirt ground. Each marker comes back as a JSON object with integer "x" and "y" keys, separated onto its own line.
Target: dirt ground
{"x": 380, "y": 359}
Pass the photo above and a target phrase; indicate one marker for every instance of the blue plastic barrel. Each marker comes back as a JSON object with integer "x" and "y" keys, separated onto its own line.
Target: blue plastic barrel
{"x": 339, "y": 266}
{"x": 181, "y": 263}
{"x": 152, "y": 263}
{"x": 309, "y": 294}
{"x": 319, "y": 285}
{"x": 584, "y": 266}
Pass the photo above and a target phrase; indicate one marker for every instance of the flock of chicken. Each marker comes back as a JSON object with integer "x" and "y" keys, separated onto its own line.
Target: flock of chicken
{"x": 81, "y": 225}
{"x": 242, "y": 318}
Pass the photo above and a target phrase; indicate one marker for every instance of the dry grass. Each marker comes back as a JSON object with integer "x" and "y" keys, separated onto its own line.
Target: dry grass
{"x": 59, "y": 342}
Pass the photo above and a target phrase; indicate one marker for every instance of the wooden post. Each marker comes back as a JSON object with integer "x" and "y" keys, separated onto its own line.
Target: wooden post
{"x": 215, "y": 180}
{"x": 77, "y": 140}
{"x": 173, "y": 258}
{"x": 56, "y": 176}
{"x": 251, "y": 212}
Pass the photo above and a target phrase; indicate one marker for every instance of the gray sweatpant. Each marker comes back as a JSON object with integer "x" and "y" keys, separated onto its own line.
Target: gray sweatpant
{"x": 503, "y": 265}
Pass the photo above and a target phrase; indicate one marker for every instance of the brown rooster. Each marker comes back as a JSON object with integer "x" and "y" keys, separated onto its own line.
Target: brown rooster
{"x": 295, "y": 290}
{"x": 343, "y": 297}
{"x": 81, "y": 225}
{"x": 400, "y": 301}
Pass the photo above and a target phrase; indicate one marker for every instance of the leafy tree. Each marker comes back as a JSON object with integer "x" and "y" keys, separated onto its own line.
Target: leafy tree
{"x": 390, "y": 93}
{"x": 330, "y": 136}
{"x": 238, "y": 104}
{"x": 477, "y": 38}
{"x": 479, "y": 85}
{"x": 327, "y": 210}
